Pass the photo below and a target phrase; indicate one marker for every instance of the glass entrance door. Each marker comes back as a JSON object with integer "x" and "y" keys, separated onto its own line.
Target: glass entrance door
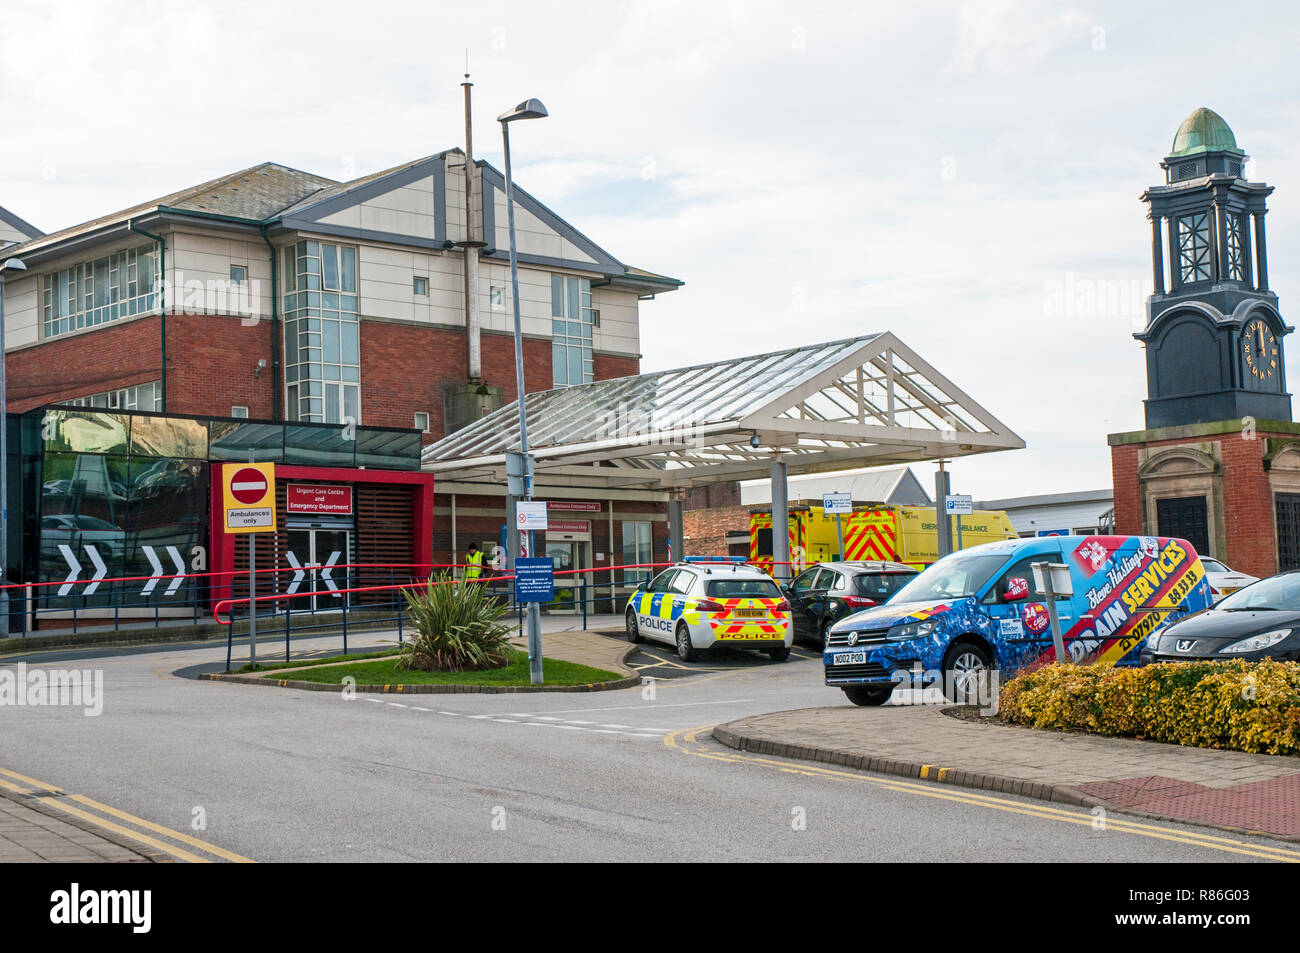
{"x": 316, "y": 557}
{"x": 568, "y": 588}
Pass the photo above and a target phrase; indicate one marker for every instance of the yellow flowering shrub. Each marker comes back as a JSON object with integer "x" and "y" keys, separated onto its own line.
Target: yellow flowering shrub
{"x": 1245, "y": 706}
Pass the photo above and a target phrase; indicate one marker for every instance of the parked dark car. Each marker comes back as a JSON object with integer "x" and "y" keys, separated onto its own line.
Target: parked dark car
{"x": 821, "y": 596}
{"x": 1258, "y": 622}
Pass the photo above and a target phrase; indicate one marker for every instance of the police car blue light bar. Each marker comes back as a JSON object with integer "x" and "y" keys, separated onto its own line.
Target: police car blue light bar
{"x": 714, "y": 559}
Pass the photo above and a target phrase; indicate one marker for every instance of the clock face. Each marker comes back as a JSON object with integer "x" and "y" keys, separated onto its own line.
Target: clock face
{"x": 1259, "y": 347}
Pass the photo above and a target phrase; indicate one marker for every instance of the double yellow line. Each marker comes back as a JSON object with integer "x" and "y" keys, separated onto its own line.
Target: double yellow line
{"x": 118, "y": 822}
{"x": 688, "y": 742}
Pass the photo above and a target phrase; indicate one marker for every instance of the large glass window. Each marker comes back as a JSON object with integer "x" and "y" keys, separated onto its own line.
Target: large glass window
{"x": 322, "y": 340}
{"x": 1193, "y": 248}
{"x": 96, "y": 292}
{"x": 137, "y": 397}
{"x": 572, "y": 319}
{"x": 636, "y": 551}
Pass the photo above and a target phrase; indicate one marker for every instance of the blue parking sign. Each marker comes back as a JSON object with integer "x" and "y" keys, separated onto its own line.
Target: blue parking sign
{"x": 534, "y": 579}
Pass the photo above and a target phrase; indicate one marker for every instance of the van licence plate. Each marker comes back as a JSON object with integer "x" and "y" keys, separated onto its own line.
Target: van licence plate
{"x": 850, "y": 658}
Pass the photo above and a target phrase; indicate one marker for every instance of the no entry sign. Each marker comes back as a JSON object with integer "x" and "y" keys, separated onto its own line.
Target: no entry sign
{"x": 249, "y": 486}
{"x": 248, "y": 497}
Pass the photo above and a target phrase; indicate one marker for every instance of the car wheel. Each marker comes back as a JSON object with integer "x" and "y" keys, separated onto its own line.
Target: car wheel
{"x": 964, "y": 669}
{"x": 868, "y": 694}
{"x": 826, "y": 631}
{"x": 633, "y": 633}
{"x": 778, "y": 654}
{"x": 685, "y": 650}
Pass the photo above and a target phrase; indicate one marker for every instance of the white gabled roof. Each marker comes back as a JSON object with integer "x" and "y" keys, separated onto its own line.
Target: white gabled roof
{"x": 863, "y": 401}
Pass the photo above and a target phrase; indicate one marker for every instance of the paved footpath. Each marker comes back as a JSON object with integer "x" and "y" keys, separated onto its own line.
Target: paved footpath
{"x": 1228, "y": 789}
{"x": 30, "y": 835}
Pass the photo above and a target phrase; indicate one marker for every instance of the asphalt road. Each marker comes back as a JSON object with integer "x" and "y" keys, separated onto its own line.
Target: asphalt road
{"x": 628, "y": 775}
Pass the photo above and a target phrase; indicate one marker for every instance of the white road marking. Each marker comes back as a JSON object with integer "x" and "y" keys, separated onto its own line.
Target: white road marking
{"x": 544, "y": 721}
{"x": 648, "y": 706}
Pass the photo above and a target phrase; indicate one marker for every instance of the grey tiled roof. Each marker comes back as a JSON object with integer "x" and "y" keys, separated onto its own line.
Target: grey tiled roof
{"x": 254, "y": 194}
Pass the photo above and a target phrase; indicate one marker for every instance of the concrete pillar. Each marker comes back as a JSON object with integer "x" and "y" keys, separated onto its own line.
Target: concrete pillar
{"x": 675, "y": 529}
{"x": 943, "y": 524}
{"x": 780, "y": 522}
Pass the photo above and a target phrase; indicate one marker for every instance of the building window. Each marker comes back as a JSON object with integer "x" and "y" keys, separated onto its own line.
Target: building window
{"x": 322, "y": 334}
{"x": 137, "y": 397}
{"x": 238, "y": 274}
{"x": 1193, "y": 248}
{"x": 571, "y": 323}
{"x": 95, "y": 292}
{"x": 1236, "y": 247}
{"x": 422, "y": 421}
{"x": 420, "y": 286}
{"x": 636, "y": 551}
{"x": 237, "y": 411}
{"x": 498, "y": 298}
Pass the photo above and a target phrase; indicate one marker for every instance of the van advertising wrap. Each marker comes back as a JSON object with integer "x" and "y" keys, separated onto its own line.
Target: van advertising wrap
{"x": 983, "y": 605}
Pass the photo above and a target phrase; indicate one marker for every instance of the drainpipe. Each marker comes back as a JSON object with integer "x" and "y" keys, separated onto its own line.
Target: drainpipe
{"x": 162, "y": 310}
{"x": 275, "y": 330}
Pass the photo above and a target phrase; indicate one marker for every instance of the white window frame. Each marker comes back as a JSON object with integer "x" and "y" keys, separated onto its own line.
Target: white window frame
{"x": 425, "y": 415}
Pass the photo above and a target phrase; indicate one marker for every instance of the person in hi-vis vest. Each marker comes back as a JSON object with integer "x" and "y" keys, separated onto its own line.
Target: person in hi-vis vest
{"x": 473, "y": 562}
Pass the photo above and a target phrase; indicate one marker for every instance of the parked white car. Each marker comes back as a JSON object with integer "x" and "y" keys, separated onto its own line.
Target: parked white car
{"x": 1224, "y": 581}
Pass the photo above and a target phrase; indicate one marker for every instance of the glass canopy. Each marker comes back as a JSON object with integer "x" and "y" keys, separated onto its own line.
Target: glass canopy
{"x": 863, "y": 401}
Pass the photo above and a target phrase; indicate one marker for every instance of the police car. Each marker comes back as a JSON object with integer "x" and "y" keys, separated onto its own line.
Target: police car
{"x": 703, "y": 602}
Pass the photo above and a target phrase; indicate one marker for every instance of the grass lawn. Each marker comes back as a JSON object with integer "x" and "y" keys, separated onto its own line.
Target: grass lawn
{"x": 516, "y": 673}
{"x": 323, "y": 660}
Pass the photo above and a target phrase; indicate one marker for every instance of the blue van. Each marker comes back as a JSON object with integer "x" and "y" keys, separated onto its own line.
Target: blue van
{"x": 979, "y": 609}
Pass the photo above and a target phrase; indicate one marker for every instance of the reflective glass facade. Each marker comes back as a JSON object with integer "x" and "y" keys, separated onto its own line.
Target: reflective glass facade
{"x": 131, "y": 492}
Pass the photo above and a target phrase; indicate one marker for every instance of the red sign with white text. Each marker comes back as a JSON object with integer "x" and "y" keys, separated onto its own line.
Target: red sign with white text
{"x": 329, "y": 500}
{"x": 572, "y": 506}
{"x": 568, "y": 526}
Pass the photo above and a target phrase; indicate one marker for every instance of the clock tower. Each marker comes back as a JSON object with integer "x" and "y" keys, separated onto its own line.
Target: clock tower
{"x": 1219, "y": 461}
{"x": 1214, "y": 333}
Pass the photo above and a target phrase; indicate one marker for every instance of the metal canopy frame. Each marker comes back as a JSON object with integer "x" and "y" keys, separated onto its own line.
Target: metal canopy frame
{"x": 864, "y": 401}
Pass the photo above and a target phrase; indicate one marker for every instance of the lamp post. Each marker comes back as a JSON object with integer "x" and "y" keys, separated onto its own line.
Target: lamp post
{"x": 528, "y": 109}
{"x": 13, "y": 264}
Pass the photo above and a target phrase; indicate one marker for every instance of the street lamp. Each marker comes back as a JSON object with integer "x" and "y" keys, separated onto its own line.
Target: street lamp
{"x": 528, "y": 109}
{"x": 13, "y": 264}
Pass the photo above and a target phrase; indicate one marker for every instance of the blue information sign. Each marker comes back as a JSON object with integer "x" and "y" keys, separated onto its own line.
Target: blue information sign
{"x": 534, "y": 579}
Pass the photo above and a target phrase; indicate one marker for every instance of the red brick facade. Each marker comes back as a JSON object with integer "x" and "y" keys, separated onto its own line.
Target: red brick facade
{"x": 1233, "y": 467}
{"x": 212, "y": 366}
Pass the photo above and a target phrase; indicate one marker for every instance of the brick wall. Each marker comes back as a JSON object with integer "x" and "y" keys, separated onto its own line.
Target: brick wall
{"x": 707, "y": 529}
{"x": 712, "y": 494}
{"x": 1248, "y": 506}
{"x": 1250, "y": 543}
{"x": 212, "y": 366}
{"x": 113, "y": 357}
{"x": 607, "y": 366}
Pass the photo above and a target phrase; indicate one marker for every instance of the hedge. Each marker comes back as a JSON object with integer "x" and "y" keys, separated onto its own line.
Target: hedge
{"x": 1244, "y": 706}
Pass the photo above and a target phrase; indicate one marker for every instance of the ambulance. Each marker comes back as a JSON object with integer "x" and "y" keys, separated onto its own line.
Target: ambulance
{"x": 982, "y": 609}
{"x": 897, "y": 534}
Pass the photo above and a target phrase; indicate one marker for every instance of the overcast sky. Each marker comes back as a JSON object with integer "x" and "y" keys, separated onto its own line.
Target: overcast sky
{"x": 812, "y": 171}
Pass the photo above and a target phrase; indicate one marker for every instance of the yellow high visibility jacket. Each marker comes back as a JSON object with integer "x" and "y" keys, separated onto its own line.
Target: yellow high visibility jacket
{"x": 475, "y": 567}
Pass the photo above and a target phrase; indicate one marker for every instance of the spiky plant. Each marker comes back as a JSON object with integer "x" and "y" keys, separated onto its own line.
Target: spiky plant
{"x": 458, "y": 627}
